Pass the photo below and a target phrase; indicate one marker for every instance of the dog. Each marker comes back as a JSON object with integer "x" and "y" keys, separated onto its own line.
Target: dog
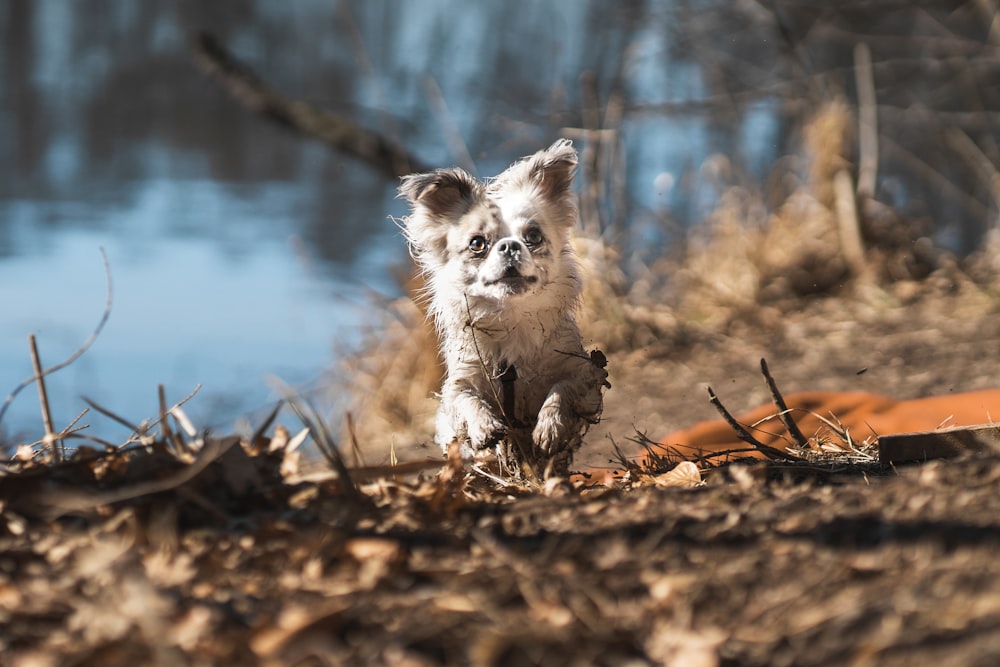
{"x": 503, "y": 285}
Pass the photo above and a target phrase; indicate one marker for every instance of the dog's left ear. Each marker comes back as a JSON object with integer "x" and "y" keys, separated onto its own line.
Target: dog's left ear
{"x": 553, "y": 169}
{"x": 438, "y": 199}
{"x": 443, "y": 192}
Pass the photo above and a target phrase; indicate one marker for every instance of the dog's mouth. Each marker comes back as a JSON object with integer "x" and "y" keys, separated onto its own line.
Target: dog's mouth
{"x": 512, "y": 278}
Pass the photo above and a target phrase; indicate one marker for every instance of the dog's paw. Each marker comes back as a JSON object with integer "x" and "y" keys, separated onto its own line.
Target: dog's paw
{"x": 485, "y": 434}
{"x": 550, "y": 433}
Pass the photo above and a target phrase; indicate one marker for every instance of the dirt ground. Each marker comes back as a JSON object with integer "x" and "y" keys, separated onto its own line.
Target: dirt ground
{"x": 140, "y": 558}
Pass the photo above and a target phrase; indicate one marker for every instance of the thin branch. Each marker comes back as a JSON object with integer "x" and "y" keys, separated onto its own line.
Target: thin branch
{"x": 867, "y": 120}
{"x": 245, "y": 87}
{"x": 743, "y": 434}
{"x": 783, "y": 412}
{"x": 321, "y": 436}
{"x": 848, "y": 223}
{"x": 43, "y": 400}
{"x": 111, "y": 415}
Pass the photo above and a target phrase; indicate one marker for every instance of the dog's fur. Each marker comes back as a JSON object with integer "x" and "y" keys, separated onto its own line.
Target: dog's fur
{"x": 503, "y": 286}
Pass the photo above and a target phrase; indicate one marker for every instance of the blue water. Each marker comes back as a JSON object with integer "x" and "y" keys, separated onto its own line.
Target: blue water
{"x": 225, "y": 314}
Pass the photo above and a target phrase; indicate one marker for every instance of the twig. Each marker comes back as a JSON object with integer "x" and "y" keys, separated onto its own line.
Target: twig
{"x": 111, "y": 415}
{"x": 495, "y": 478}
{"x": 168, "y": 433}
{"x": 264, "y": 425}
{"x": 356, "y": 453}
{"x": 244, "y": 86}
{"x": 848, "y": 223}
{"x": 43, "y": 400}
{"x": 321, "y": 436}
{"x": 745, "y": 435}
{"x": 784, "y": 414}
{"x": 76, "y": 355}
{"x": 471, "y": 324}
{"x": 864, "y": 80}
{"x": 69, "y": 426}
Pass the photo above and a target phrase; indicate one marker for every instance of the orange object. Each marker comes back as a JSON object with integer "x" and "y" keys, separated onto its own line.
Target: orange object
{"x": 864, "y": 415}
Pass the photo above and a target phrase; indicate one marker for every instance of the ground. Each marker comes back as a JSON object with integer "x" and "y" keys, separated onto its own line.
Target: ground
{"x": 141, "y": 558}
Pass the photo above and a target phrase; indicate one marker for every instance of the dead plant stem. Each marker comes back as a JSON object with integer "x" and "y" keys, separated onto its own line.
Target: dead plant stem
{"x": 864, "y": 80}
{"x": 783, "y": 412}
{"x": 743, "y": 434}
{"x": 43, "y": 400}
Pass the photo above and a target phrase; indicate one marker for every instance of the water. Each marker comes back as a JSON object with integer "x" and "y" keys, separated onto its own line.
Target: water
{"x": 225, "y": 314}
{"x": 238, "y": 250}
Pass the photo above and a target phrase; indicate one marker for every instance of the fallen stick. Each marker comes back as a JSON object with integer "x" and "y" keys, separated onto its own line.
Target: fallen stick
{"x": 784, "y": 414}
{"x": 743, "y": 434}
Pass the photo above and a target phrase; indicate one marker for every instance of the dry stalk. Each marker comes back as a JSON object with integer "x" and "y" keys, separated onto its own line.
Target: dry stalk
{"x": 783, "y": 412}
{"x": 743, "y": 434}
{"x": 43, "y": 399}
{"x": 864, "y": 80}
{"x": 173, "y": 440}
{"x": 321, "y": 435}
{"x": 356, "y": 453}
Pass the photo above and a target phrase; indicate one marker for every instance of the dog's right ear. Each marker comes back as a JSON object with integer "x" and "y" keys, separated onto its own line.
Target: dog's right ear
{"x": 443, "y": 192}
{"x": 437, "y": 200}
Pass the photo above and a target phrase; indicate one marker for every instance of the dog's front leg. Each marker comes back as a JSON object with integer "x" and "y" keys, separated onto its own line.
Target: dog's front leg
{"x": 467, "y": 416}
{"x": 570, "y": 405}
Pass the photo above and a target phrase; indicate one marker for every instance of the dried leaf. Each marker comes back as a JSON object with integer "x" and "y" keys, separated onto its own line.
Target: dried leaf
{"x": 684, "y": 474}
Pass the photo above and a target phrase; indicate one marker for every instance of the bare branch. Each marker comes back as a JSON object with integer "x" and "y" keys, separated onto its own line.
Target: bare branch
{"x": 43, "y": 400}
{"x": 244, "y": 86}
{"x": 867, "y": 120}
{"x": 783, "y": 412}
{"x": 743, "y": 434}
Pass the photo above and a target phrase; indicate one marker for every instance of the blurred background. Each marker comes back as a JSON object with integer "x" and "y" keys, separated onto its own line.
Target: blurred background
{"x": 240, "y": 249}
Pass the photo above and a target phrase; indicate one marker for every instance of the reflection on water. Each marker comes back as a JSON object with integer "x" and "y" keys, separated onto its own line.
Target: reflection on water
{"x": 238, "y": 249}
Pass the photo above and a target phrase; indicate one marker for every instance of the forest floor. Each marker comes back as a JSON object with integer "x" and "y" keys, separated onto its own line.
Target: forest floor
{"x": 228, "y": 556}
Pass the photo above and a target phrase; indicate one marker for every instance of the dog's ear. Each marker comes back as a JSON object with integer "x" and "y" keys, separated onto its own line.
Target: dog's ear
{"x": 437, "y": 200}
{"x": 549, "y": 173}
{"x": 554, "y": 168}
{"x": 444, "y": 192}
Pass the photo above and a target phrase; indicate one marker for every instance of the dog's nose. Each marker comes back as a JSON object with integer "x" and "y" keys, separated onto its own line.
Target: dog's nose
{"x": 509, "y": 248}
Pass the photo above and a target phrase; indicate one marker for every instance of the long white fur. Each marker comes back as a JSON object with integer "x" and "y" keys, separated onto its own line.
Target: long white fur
{"x": 494, "y": 308}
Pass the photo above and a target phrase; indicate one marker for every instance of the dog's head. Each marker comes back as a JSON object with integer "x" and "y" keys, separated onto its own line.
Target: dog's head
{"x": 487, "y": 244}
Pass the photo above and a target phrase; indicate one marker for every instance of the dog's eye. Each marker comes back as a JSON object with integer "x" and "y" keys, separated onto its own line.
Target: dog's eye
{"x": 477, "y": 245}
{"x": 533, "y": 237}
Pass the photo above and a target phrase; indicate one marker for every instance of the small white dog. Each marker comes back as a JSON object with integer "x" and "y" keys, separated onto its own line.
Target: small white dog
{"x": 503, "y": 286}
